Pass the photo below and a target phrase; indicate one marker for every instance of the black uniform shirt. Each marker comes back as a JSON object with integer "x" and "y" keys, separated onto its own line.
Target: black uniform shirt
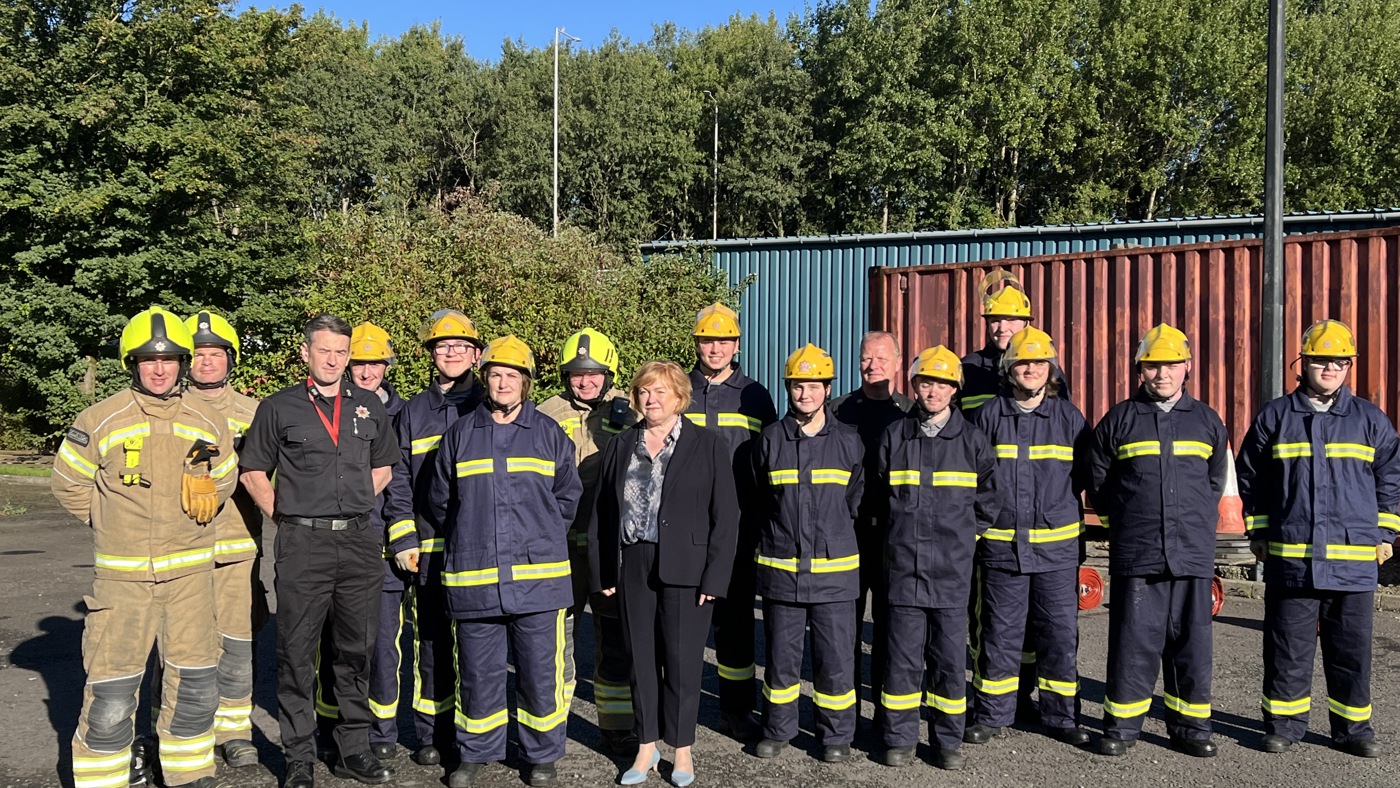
{"x": 870, "y": 417}
{"x": 317, "y": 477}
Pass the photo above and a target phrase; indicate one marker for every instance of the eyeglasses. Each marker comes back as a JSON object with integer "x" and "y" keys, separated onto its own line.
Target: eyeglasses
{"x": 450, "y": 348}
{"x": 1330, "y": 363}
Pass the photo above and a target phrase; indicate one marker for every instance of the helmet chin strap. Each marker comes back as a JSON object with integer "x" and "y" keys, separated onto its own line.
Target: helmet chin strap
{"x": 504, "y": 410}
{"x": 925, "y": 414}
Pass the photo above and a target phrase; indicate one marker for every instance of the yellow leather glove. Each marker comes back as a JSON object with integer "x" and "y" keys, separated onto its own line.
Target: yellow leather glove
{"x": 1384, "y": 551}
{"x": 198, "y": 496}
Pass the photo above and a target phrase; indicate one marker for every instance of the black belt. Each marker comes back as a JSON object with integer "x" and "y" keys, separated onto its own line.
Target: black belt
{"x": 328, "y": 523}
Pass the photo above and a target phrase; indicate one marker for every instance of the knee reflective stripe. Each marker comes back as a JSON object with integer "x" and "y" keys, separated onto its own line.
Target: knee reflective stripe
{"x": 1200, "y": 711}
{"x": 945, "y": 705}
{"x": 106, "y": 771}
{"x": 428, "y": 705}
{"x": 782, "y": 694}
{"x": 187, "y": 755}
{"x": 900, "y": 702}
{"x": 1125, "y": 710}
{"x": 483, "y": 725}
{"x": 196, "y": 701}
{"x": 1285, "y": 708}
{"x": 1071, "y": 688}
{"x": 1353, "y": 713}
{"x": 996, "y": 687}
{"x": 554, "y": 719}
{"x": 236, "y": 668}
{"x": 735, "y": 674}
{"x": 389, "y": 709}
{"x": 109, "y": 717}
{"x": 612, "y": 698}
{"x": 233, "y": 718}
{"x": 834, "y": 702}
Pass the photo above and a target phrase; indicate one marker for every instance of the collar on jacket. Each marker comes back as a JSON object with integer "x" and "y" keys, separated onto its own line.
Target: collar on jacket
{"x": 952, "y": 428}
{"x": 347, "y": 389}
{"x": 1007, "y": 403}
{"x": 737, "y": 379}
{"x": 437, "y": 398}
{"x": 793, "y": 431}
{"x": 1145, "y": 404}
{"x": 1341, "y": 406}
{"x": 481, "y": 416}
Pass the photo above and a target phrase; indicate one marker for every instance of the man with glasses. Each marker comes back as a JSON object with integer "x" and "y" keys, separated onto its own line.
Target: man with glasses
{"x": 1320, "y": 485}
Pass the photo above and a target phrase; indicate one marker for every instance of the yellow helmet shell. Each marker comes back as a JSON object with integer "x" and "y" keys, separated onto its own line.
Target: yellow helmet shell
{"x": 717, "y": 321}
{"x": 1029, "y": 344}
{"x": 589, "y": 350}
{"x": 1007, "y": 302}
{"x": 509, "y": 351}
{"x": 939, "y": 363}
{"x": 369, "y": 342}
{"x": 154, "y": 332}
{"x": 208, "y": 329}
{"x": 1328, "y": 339}
{"x": 1163, "y": 344}
{"x": 810, "y": 362}
{"x": 448, "y": 324}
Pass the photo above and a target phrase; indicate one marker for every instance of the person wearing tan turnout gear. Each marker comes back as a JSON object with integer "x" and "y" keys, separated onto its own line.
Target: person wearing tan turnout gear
{"x": 591, "y": 411}
{"x": 124, "y": 468}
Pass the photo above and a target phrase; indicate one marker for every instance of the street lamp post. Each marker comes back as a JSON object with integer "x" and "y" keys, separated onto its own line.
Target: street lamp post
{"x": 557, "y": 32}
{"x": 1271, "y": 328}
{"x": 714, "y": 180}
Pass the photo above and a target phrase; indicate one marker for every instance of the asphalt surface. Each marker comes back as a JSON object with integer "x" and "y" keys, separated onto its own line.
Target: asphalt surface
{"x": 46, "y": 567}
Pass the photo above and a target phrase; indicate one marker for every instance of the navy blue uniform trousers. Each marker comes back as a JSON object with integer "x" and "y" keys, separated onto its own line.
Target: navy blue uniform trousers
{"x": 536, "y": 640}
{"x": 1019, "y": 612}
{"x": 1294, "y": 621}
{"x": 926, "y": 663}
{"x": 833, "y": 670}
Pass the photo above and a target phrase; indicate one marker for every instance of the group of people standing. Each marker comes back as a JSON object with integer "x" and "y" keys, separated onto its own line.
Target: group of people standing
{"x": 666, "y": 509}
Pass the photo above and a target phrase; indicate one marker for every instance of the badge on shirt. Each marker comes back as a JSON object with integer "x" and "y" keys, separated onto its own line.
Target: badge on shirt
{"x": 77, "y": 436}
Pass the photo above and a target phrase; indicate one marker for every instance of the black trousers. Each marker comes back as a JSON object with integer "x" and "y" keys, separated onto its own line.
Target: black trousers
{"x": 665, "y": 629}
{"x": 1295, "y": 620}
{"x": 325, "y": 574}
{"x": 735, "y": 644}
{"x": 435, "y": 668}
{"x": 871, "y": 540}
{"x": 384, "y": 668}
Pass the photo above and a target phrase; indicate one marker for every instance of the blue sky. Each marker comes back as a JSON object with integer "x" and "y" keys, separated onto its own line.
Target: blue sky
{"x": 483, "y": 25}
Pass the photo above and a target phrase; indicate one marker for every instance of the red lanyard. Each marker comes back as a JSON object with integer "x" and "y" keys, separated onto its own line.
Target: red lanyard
{"x": 333, "y": 423}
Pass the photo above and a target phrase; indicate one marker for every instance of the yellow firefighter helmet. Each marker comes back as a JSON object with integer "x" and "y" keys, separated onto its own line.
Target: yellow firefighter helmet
{"x": 939, "y": 363}
{"x": 1163, "y": 344}
{"x": 1328, "y": 339}
{"x": 509, "y": 351}
{"x": 154, "y": 332}
{"x": 717, "y": 321}
{"x": 369, "y": 342}
{"x": 810, "y": 362}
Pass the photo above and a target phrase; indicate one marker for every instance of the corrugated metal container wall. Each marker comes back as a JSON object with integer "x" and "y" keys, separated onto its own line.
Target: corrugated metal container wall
{"x": 815, "y": 289}
{"x": 1098, "y": 305}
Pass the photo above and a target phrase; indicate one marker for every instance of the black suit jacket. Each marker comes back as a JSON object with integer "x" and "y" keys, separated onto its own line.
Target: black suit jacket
{"x": 698, "y": 519}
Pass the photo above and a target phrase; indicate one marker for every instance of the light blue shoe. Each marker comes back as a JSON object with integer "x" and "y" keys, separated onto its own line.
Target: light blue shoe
{"x": 681, "y": 779}
{"x": 639, "y": 776}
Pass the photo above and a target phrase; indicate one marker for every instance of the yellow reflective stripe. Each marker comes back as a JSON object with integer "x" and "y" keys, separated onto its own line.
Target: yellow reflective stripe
{"x": 187, "y": 755}
{"x": 1256, "y": 522}
{"x": 1353, "y": 713}
{"x": 785, "y": 476}
{"x": 698, "y": 419}
{"x": 118, "y": 779}
{"x": 1007, "y": 451}
{"x": 945, "y": 705}
{"x": 233, "y": 718}
{"x": 119, "y": 436}
{"x": 236, "y": 427}
{"x": 1028, "y": 658}
{"x": 1192, "y": 449}
{"x": 384, "y": 711}
{"x": 435, "y": 707}
{"x": 843, "y": 564}
{"x": 104, "y": 762}
{"x": 1390, "y": 521}
{"x": 1043, "y": 535}
{"x": 121, "y": 563}
{"x": 186, "y": 745}
{"x": 1284, "y": 451}
{"x": 228, "y": 546}
{"x": 954, "y": 479}
{"x": 782, "y": 695}
{"x": 529, "y": 465}
{"x": 571, "y": 424}
{"x": 539, "y": 571}
{"x": 1000, "y": 534}
{"x": 1052, "y": 451}
{"x": 483, "y": 725}
{"x": 976, "y": 401}
{"x": 1349, "y": 451}
{"x": 1139, "y": 449}
{"x": 1124, "y": 710}
{"x": 904, "y": 477}
{"x": 735, "y": 674}
{"x": 830, "y": 476}
{"x": 900, "y": 702}
{"x": 546, "y": 723}
{"x": 739, "y": 420}
{"x": 1290, "y": 550}
{"x": 579, "y": 538}
{"x": 1285, "y": 708}
{"x": 192, "y": 433}
{"x": 612, "y": 698}
{"x": 475, "y": 467}
{"x": 996, "y": 687}
{"x": 834, "y": 702}
{"x": 181, "y": 559}
{"x": 474, "y": 577}
{"x": 401, "y": 529}
{"x": 425, "y": 445}
{"x": 1066, "y": 688}
{"x": 226, "y": 467}
{"x": 785, "y": 564}
{"x": 1200, "y": 711}
{"x": 1331, "y": 552}
{"x": 78, "y": 464}
{"x": 433, "y": 545}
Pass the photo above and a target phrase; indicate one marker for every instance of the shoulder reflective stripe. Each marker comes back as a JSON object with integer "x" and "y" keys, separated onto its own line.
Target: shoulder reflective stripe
{"x": 785, "y": 564}
{"x": 945, "y": 705}
{"x": 1350, "y": 451}
{"x": 1139, "y": 449}
{"x": 1125, "y": 710}
{"x": 845, "y": 564}
{"x": 1066, "y": 688}
{"x": 475, "y": 467}
{"x": 782, "y": 695}
{"x": 698, "y": 419}
{"x": 834, "y": 702}
{"x": 75, "y": 462}
{"x": 1000, "y": 534}
{"x": 192, "y": 433}
{"x": 1353, "y": 713}
{"x": 539, "y": 571}
{"x": 230, "y": 546}
{"x": 739, "y": 420}
{"x": 1331, "y": 552}
{"x": 122, "y": 563}
{"x": 236, "y": 426}
{"x": 431, "y": 545}
{"x": 729, "y": 673}
{"x": 401, "y": 529}
{"x": 474, "y": 577}
{"x": 954, "y": 479}
{"x": 1389, "y": 521}
{"x": 830, "y": 476}
{"x": 976, "y": 401}
{"x": 1007, "y": 451}
{"x": 117, "y": 437}
{"x": 1192, "y": 449}
{"x": 785, "y": 476}
{"x": 484, "y": 724}
{"x": 226, "y": 467}
{"x": 1200, "y": 711}
{"x": 1284, "y": 451}
{"x": 529, "y": 465}
{"x": 904, "y": 477}
{"x": 1285, "y": 708}
{"x": 570, "y": 425}
{"x": 1042, "y": 535}
{"x": 1256, "y": 522}
{"x": 1052, "y": 451}
{"x": 182, "y": 559}
{"x": 996, "y": 687}
{"x": 900, "y": 702}
{"x": 425, "y": 445}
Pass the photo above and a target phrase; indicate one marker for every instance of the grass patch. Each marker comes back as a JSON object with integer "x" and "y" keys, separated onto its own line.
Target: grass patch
{"x": 24, "y": 470}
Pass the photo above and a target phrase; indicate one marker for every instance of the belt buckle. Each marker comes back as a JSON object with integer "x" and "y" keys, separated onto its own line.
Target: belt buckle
{"x": 339, "y": 525}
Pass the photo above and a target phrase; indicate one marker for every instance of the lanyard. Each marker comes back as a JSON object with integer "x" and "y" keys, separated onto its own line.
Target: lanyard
{"x": 333, "y": 423}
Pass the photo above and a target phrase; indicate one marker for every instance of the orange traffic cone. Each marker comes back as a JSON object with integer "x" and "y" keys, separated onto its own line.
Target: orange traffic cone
{"x": 1230, "y": 511}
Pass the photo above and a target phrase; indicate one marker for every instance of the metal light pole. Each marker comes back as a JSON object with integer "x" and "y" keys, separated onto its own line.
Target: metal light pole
{"x": 557, "y": 32}
{"x": 1271, "y": 327}
{"x": 714, "y": 180}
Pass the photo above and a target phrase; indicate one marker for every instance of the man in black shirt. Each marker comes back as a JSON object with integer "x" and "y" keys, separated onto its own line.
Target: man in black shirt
{"x": 870, "y": 409}
{"x": 332, "y": 448}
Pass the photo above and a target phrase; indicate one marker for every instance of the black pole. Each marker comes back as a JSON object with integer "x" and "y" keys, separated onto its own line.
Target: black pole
{"x": 1271, "y": 326}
